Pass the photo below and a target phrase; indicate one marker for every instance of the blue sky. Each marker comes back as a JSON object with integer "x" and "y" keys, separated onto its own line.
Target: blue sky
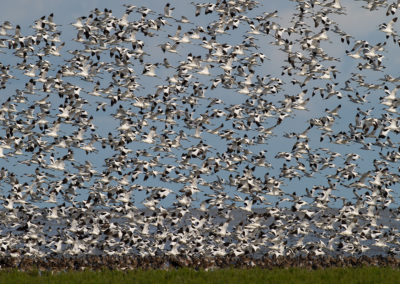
{"x": 358, "y": 22}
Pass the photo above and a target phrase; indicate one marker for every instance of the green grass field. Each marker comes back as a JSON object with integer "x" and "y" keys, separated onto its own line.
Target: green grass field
{"x": 296, "y": 275}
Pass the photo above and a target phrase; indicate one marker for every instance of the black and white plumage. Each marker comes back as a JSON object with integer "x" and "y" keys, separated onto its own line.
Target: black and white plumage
{"x": 210, "y": 142}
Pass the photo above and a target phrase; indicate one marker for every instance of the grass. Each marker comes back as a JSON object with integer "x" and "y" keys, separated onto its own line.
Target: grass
{"x": 185, "y": 275}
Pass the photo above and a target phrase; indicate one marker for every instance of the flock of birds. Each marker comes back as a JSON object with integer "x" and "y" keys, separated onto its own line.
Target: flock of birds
{"x": 111, "y": 149}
